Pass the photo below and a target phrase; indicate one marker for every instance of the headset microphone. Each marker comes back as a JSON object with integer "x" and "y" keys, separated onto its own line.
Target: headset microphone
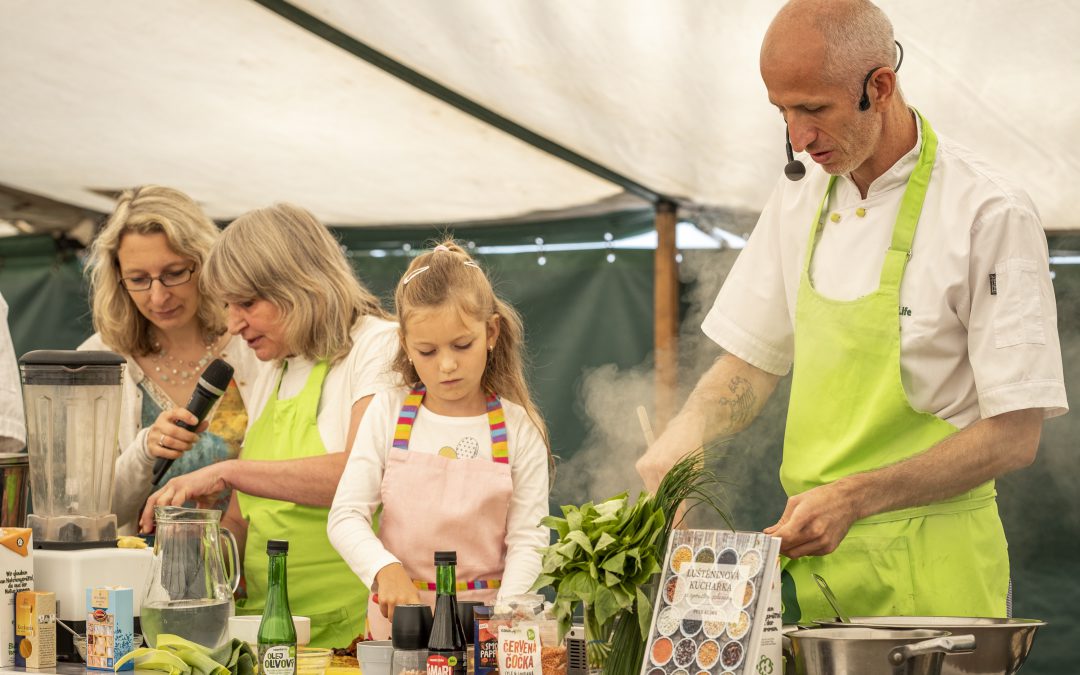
{"x": 864, "y": 102}
{"x": 794, "y": 169}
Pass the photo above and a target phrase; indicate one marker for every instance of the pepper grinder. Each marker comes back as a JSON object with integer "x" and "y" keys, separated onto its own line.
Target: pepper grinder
{"x": 409, "y": 632}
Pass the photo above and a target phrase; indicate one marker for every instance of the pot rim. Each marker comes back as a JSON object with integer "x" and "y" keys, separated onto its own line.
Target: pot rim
{"x": 931, "y": 622}
{"x": 878, "y": 634}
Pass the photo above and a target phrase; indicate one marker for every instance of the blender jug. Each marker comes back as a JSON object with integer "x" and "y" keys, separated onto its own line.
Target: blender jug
{"x": 72, "y": 402}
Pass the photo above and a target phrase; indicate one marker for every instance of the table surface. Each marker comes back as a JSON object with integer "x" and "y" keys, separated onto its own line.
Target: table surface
{"x": 63, "y": 668}
{"x": 80, "y": 669}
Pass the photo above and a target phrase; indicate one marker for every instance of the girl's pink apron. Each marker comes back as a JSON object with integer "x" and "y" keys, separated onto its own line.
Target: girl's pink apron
{"x": 431, "y": 503}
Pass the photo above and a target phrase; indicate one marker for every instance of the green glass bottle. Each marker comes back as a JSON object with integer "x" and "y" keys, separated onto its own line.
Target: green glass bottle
{"x": 277, "y": 635}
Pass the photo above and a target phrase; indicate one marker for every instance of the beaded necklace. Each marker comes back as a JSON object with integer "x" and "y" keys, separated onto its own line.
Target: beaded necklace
{"x": 178, "y": 371}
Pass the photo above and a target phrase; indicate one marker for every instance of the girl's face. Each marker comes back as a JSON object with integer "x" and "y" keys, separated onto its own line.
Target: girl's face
{"x": 449, "y": 351}
{"x": 258, "y": 321}
{"x": 148, "y": 257}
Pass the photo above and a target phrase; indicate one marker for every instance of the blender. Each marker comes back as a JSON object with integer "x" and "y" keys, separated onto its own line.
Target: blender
{"x": 72, "y": 401}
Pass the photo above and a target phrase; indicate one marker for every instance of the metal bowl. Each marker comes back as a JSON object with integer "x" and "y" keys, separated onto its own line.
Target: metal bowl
{"x": 1002, "y": 645}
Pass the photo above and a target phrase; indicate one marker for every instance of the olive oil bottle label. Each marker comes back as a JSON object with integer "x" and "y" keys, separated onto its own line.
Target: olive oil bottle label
{"x": 277, "y": 659}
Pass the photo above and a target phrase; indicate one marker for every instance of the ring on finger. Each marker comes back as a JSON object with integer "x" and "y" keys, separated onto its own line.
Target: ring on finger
{"x": 161, "y": 442}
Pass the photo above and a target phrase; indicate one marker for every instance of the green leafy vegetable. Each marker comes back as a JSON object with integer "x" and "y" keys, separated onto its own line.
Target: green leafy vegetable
{"x": 608, "y": 556}
{"x": 176, "y": 656}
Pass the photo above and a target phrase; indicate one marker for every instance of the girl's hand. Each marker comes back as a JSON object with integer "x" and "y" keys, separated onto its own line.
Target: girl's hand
{"x": 395, "y": 588}
{"x": 166, "y": 440}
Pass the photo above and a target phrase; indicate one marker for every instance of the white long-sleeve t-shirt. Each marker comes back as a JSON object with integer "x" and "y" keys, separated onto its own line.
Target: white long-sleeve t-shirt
{"x": 359, "y": 492}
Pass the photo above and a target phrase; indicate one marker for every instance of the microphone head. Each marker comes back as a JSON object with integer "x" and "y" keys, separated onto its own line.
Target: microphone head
{"x": 794, "y": 170}
{"x": 217, "y": 375}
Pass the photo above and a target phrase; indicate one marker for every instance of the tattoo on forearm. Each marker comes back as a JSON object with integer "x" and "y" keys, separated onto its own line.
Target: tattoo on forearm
{"x": 741, "y": 406}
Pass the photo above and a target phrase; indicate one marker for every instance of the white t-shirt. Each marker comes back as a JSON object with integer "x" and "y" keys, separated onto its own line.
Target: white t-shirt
{"x": 978, "y": 319}
{"x": 12, "y": 420}
{"x": 365, "y": 371}
{"x": 358, "y": 493}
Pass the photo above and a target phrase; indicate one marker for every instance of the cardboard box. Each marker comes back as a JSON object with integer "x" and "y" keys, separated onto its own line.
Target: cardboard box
{"x": 35, "y": 629}
{"x": 109, "y": 627}
{"x": 16, "y": 574}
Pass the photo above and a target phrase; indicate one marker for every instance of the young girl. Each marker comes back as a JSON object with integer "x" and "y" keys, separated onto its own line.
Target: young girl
{"x": 458, "y": 458}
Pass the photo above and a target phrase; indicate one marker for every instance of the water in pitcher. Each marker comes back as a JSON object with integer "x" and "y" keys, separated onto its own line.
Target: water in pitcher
{"x": 205, "y": 622}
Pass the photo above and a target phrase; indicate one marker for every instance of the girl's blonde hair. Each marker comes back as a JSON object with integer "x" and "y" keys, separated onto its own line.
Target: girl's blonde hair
{"x": 453, "y": 278}
{"x": 284, "y": 255}
{"x": 149, "y": 209}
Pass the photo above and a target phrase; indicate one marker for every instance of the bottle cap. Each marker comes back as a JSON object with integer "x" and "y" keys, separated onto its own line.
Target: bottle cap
{"x": 445, "y": 557}
{"x": 277, "y": 546}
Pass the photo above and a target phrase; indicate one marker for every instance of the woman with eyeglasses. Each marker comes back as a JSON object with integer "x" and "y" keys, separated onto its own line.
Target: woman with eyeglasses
{"x": 143, "y": 269}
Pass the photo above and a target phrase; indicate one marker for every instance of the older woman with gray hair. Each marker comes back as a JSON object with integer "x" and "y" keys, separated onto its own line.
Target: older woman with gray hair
{"x": 292, "y": 296}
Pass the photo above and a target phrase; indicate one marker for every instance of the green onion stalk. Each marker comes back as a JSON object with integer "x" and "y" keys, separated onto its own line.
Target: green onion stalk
{"x": 689, "y": 481}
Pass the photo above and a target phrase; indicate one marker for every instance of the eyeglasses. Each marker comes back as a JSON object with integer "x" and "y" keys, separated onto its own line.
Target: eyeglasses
{"x": 144, "y": 282}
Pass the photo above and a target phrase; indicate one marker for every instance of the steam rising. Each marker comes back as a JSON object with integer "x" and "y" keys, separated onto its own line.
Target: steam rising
{"x": 610, "y": 396}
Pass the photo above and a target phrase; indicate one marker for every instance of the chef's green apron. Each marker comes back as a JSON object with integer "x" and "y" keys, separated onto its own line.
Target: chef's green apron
{"x": 848, "y": 414}
{"x": 321, "y": 585}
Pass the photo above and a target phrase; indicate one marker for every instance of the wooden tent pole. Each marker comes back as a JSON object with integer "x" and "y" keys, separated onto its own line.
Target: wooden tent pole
{"x": 666, "y": 314}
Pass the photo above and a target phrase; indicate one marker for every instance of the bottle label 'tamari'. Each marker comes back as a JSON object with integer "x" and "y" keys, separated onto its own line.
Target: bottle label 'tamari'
{"x": 446, "y": 664}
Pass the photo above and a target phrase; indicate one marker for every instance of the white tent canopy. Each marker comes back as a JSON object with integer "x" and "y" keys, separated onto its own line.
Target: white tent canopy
{"x": 241, "y": 107}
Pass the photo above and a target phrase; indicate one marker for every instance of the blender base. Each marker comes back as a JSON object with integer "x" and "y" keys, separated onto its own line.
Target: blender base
{"x": 70, "y": 573}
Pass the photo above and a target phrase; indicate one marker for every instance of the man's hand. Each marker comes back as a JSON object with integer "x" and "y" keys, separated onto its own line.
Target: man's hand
{"x": 815, "y": 522}
{"x": 683, "y": 436}
{"x": 201, "y": 486}
{"x": 395, "y": 588}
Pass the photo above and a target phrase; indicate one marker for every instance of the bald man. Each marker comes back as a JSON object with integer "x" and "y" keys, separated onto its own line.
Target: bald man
{"x": 906, "y": 286}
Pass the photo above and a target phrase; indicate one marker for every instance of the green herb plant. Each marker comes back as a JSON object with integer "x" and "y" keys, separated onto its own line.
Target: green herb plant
{"x": 608, "y": 556}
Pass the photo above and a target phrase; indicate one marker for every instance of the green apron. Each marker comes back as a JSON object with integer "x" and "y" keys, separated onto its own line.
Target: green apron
{"x": 849, "y": 414}
{"x": 321, "y": 585}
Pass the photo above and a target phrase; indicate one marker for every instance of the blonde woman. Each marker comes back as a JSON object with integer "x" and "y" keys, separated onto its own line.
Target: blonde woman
{"x": 464, "y": 433}
{"x": 292, "y": 296}
{"x": 144, "y": 269}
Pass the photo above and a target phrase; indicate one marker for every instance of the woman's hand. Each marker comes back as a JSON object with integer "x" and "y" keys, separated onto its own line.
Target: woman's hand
{"x": 395, "y": 588}
{"x": 166, "y": 440}
{"x": 199, "y": 486}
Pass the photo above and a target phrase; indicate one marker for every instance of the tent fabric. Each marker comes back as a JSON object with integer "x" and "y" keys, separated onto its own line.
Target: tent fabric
{"x": 240, "y": 107}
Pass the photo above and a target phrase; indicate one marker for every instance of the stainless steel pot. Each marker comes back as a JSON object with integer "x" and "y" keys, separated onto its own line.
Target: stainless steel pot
{"x": 14, "y": 480}
{"x": 1003, "y": 644}
{"x": 871, "y": 651}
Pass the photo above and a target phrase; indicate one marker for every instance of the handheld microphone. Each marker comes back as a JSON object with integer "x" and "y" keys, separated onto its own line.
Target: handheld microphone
{"x": 210, "y": 387}
{"x": 794, "y": 169}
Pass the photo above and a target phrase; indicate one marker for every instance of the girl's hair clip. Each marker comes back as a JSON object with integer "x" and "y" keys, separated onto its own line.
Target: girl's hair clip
{"x": 441, "y": 247}
{"x": 469, "y": 263}
{"x": 415, "y": 273}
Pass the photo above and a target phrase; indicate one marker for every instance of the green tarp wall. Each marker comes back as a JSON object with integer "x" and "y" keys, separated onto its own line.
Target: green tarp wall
{"x": 590, "y": 334}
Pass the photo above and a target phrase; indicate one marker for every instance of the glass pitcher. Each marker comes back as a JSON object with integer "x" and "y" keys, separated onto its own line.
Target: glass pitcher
{"x": 189, "y": 593}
